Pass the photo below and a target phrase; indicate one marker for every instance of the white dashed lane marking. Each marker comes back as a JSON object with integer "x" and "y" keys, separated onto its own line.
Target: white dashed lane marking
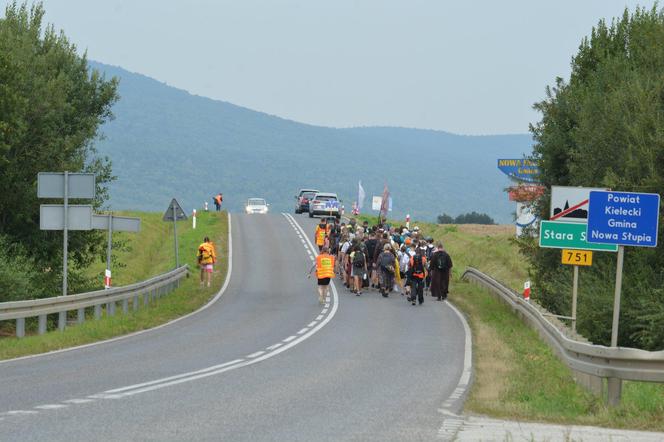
{"x": 255, "y": 355}
{"x": 51, "y": 406}
{"x": 275, "y": 346}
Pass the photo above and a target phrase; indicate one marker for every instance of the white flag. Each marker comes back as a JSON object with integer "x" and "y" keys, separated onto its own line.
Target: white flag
{"x": 360, "y": 195}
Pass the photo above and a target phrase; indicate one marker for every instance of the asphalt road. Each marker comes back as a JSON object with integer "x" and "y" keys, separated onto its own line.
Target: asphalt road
{"x": 264, "y": 362}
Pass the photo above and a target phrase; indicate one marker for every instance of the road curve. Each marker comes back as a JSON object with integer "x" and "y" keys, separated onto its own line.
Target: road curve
{"x": 264, "y": 362}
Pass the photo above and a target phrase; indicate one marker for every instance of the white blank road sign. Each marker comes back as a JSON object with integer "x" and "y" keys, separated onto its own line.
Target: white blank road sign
{"x": 570, "y": 204}
{"x": 52, "y": 185}
{"x": 52, "y": 217}
{"x": 120, "y": 223}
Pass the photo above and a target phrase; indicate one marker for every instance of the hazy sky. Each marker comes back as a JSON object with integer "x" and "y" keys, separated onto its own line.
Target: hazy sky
{"x": 470, "y": 67}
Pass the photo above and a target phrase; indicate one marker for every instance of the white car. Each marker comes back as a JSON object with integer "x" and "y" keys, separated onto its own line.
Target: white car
{"x": 256, "y": 205}
{"x": 325, "y": 204}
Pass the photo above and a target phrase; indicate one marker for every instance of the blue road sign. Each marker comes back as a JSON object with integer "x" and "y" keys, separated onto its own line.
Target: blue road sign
{"x": 623, "y": 218}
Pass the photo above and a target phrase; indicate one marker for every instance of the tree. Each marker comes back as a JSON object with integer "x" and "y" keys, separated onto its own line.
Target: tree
{"x": 604, "y": 127}
{"x": 51, "y": 106}
{"x": 466, "y": 218}
{"x": 445, "y": 219}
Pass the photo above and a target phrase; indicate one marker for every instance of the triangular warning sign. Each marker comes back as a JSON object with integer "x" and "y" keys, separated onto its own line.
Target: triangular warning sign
{"x": 174, "y": 212}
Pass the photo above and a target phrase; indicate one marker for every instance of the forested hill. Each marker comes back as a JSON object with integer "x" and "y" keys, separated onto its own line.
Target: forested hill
{"x": 165, "y": 142}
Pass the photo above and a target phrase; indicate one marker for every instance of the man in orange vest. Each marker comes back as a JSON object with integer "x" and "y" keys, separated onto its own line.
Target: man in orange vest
{"x": 321, "y": 235}
{"x": 324, "y": 272}
{"x": 217, "y": 201}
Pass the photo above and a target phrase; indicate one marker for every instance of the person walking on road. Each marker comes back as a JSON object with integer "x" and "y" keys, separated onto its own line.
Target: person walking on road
{"x": 321, "y": 234}
{"x": 358, "y": 260}
{"x": 206, "y": 256}
{"x": 387, "y": 269}
{"x": 418, "y": 271}
{"x": 324, "y": 266}
{"x": 441, "y": 271}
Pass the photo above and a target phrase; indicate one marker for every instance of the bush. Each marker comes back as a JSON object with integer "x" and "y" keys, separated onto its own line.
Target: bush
{"x": 19, "y": 278}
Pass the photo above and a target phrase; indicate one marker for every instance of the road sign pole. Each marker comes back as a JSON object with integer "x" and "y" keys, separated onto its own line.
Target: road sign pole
{"x": 65, "y": 236}
{"x": 175, "y": 234}
{"x": 616, "y": 298}
{"x": 575, "y": 291}
{"x": 108, "y": 250}
{"x": 614, "y": 384}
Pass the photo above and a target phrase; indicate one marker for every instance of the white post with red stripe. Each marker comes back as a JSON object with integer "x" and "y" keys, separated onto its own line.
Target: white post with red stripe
{"x": 107, "y": 279}
{"x": 526, "y": 291}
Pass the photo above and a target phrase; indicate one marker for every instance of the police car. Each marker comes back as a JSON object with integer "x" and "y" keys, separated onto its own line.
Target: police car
{"x": 327, "y": 204}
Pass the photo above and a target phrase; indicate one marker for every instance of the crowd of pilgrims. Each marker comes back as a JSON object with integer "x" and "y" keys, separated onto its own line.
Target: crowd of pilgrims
{"x": 386, "y": 258}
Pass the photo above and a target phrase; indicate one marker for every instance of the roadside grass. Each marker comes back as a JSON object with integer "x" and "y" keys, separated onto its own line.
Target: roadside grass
{"x": 149, "y": 253}
{"x": 516, "y": 375}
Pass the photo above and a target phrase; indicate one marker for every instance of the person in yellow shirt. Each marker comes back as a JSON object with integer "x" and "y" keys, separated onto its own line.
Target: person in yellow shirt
{"x": 324, "y": 266}
{"x": 321, "y": 234}
{"x": 207, "y": 257}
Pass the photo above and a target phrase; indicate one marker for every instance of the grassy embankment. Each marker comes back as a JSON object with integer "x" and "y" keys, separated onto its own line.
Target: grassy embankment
{"x": 149, "y": 253}
{"x": 516, "y": 375}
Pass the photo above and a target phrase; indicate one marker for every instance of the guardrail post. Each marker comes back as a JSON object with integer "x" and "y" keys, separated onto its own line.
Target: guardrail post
{"x": 20, "y": 327}
{"x": 111, "y": 308}
{"x": 135, "y": 303}
{"x": 80, "y": 315}
{"x": 41, "y": 329}
{"x": 614, "y": 388}
{"x": 62, "y": 320}
{"x": 125, "y": 306}
{"x": 98, "y": 311}
{"x": 146, "y": 298}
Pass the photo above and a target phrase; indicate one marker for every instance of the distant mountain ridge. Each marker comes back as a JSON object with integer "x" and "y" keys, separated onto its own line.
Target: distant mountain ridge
{"x": 165, "y": 143}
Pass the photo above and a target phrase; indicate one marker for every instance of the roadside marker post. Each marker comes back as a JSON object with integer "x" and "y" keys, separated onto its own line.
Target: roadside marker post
{"x": 193, "y": 220}
{"x": 623, "y": 219}
{"x": 526, "y": 291}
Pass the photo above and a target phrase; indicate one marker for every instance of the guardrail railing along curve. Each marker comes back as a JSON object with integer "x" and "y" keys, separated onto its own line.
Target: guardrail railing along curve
{"x": 595, "y": 361}
{"x": 145, "y": 291}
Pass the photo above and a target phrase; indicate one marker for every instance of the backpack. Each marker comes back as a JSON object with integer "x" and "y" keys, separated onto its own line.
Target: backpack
{"x": 428, "y": 252}
{"x": 204, "y": 254}
{"x": 441, "y": 262}
{"x": 418, "y": 266}
{"x": 371, "y": 246}
{"x": 387, "y": 261}
{"x": 358, "y": 259}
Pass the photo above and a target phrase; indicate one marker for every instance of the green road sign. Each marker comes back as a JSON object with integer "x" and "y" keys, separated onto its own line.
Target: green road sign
{"x": 559, "y": 235}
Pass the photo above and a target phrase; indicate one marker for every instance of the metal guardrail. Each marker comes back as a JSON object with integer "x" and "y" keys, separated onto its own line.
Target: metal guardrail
{"x": 146, "y": 291}
{"x": 596, "y": 361}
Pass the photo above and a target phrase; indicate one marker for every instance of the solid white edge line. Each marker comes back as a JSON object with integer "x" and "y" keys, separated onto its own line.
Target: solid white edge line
{"x": 464, "y": 381}
{"x": 131, "y": 335}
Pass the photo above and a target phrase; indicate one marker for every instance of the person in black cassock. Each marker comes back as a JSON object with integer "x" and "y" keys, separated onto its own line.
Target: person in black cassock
{"x": 440, "y": 269}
